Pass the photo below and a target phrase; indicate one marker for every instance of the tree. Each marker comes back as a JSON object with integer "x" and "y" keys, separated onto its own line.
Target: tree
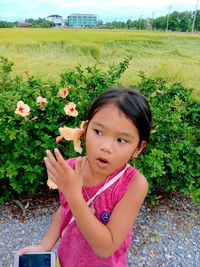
{"x": 99, "y": 23}
{"x": 185, "y": 21}
{"x": 5, "y": 24}
{"x": 128, "y": 24}
{"x": 40, "y": 23}
{"x": 160, "y": 23}
{"x": 174, "y": 21}
{"x": 197, "y": 21}
{"x": 178, "y": 21}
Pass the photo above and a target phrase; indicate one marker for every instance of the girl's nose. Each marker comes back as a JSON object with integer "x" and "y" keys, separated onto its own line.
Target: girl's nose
{"x": 107, "y": 146}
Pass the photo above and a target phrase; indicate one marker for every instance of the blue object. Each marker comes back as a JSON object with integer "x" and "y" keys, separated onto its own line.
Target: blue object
{"x": 105, "y": 216}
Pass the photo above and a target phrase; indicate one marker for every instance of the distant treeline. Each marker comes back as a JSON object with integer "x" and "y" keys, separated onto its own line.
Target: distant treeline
{"x": 34, "y": 23}
{"x": 176, "y": 21}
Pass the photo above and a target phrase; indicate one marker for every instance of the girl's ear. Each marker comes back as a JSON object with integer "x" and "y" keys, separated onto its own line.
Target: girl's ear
{"x": 139, "y": 149}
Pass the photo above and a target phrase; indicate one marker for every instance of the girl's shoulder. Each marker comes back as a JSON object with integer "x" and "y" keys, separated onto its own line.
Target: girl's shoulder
{"x": 131, "y": 190}
{"x": 129, "y": 175}
{"x": 128, "y": 179}
{"x": 131, "y": 171}
{"x": 138, "y": 184}
{"x": 135, "y": 176}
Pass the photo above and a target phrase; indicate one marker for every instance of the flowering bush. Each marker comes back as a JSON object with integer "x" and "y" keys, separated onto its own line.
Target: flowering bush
{"x": 33, "y": 113}
{"x": 30, "y": 127}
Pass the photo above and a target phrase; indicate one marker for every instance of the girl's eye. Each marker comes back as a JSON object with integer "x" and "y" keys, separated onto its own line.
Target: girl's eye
{"x": 121, "y": 140}
{"x": 98, "y": 132}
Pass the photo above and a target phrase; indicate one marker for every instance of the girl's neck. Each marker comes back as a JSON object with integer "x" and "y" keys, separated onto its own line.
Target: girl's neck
{"x": 91, "y": 177}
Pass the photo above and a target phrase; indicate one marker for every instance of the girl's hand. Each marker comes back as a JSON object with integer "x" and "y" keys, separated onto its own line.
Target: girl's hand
{"x": 68, "y": 180}
{"x": 38, "y": 248}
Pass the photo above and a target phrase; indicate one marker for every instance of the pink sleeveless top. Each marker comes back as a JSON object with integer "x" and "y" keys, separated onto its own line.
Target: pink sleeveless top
{"x": 73, "y": 249}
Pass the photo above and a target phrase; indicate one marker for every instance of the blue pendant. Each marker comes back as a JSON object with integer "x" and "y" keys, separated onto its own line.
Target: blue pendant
{"x": 105, "y": 216}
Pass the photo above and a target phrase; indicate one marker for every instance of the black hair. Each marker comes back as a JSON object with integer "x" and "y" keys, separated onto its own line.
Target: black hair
{"x": 132, "y": 103}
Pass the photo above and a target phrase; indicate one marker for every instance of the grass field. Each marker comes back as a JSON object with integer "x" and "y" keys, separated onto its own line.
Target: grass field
{"x": 46, "y": 53}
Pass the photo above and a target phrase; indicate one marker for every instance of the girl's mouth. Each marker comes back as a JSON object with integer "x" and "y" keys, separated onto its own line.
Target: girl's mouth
{"x": 102, "y": 162}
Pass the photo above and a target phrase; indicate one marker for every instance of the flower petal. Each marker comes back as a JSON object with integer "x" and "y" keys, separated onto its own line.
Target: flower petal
{"x": 51, "y": 184}
{"x": 72, "y": 134}
{"x": 22, "y": 109}
{"x": 67, "y": 133}
{"x": 77, "y": 145}
{"x": 70, "y": 109}
{"x": 59, "y": 138}
{"x": 64, "y": 92}
{"x": 41, "y": 101}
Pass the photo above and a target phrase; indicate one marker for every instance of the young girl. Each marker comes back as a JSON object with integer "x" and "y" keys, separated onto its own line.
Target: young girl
{"x": 100, "y": 193}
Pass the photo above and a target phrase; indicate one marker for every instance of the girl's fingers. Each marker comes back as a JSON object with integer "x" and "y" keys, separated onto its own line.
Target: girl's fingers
{"x": 27, "y": 249}
{"x": 61, "y": 161}
{"x": 58, "y": 155}
{"x": 51, "y": 158}
{"x": 58, "y": 161}
{"x": 50, "y": 168}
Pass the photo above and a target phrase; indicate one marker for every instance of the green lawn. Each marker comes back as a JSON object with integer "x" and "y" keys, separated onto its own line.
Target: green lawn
{"x": 46, "y": 53}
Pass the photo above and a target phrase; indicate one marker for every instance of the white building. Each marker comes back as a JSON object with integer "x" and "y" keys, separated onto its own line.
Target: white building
{"x": 58, "y": 20}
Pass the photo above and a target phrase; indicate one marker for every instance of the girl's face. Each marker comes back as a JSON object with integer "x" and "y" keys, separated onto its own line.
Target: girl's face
{"x": 111, "y": 140}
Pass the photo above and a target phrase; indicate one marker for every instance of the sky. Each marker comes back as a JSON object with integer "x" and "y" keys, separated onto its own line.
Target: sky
{"x": 106, "y": 10}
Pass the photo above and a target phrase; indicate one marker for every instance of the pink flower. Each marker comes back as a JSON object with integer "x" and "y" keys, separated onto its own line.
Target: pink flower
{"x": 64, "y": 92}
{"x": 40, "y": 101}
{"x": 70, "y": 109}
{"x": 71, "y": 134}
{"x": 22, "y": 109}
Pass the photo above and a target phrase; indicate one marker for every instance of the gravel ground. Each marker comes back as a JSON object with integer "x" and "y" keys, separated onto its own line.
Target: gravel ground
{"x": 167, "y": 235}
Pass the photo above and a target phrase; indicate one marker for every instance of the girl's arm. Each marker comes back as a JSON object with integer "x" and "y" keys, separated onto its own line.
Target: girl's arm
{"x": 106, "y": 239}
{"x": 50, "y": 238}
{"x": 103, "y": 239}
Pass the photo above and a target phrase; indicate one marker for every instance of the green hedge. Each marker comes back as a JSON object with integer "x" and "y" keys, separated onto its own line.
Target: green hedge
{"x": 23, "y": 140}
{"x": 171, "y": 159}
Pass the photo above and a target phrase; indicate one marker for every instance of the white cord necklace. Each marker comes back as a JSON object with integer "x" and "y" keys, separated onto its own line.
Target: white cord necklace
{"x": 92, "y": 208}
{"x": 91, "y": 205}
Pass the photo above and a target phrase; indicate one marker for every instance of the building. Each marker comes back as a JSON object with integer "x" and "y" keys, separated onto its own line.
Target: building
{"x": 57, "y": 20}
{"x": 82, "y": 21}
{"x": 24, "y": 24}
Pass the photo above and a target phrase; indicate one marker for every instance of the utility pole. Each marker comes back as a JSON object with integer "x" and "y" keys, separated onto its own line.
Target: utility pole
{"x": 140, "y": 22}
{"x": 168, "y": 18}
{"x": 195, "y": 14}
{"x": 152, "y": 20}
